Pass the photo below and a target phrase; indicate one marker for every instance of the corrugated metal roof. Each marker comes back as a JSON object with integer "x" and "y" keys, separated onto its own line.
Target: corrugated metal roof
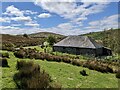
{"x": 79, "y": 41}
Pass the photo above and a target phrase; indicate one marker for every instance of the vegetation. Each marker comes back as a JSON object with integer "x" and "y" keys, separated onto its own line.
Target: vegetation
{"x": 63, "y": 74}
{"x": 51, "y": 40}
{"x": 4, "y": 55}
{"x": 104, "y": 37}
{"x": 100, "y": 66}
{"x": 7, "y": 46}
{"x": 46, "y": 34}
{"x": 10, "y": 42}
{"x": 31, "y": 76}
{"x": 4, "y": 62}
{"x": 118, "y": 74}
{"x": 25, "y": 35}
{"x": 83, "y": 72}
{"x": 67, "y": 70}
{"x": 109, "y": 38}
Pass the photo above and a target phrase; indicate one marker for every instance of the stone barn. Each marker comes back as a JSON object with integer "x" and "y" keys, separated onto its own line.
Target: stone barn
{"x": 81, "y": 45}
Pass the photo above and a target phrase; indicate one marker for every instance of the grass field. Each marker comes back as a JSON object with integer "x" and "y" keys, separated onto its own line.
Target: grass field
{"x": 65, "y": 74}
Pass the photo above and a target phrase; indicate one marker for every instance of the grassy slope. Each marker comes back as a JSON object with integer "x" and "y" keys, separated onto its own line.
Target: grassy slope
{"x": 8, "y": 72}
{"x": 45, "y": 34}
{"x": 20, "y": 40}
{"x": 66, "y": 74}
{"x": 100, "y": 35}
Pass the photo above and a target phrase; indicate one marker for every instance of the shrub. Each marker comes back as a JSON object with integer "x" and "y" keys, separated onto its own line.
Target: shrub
{"x": 30, "y": 76}
{"x": 109, "y": 69}
{"x": 83, "y": 72}
{"x": 4, "y": 55}
{"x": 55, "y": 86}
{"x": 91, "y": 64}
{"x": 118, "y": 74}
{"x": 57, "y": 58}
{"x": 66, "y": 60}
{"x": 8, "y": 46}
{"x": 32, "y": 55}
{"x": 20, "y": 54}
{"x": 76, "y": 62}
{"x": 98, "y": 66}
{"x": 23, "y": 64}
{"x": 4, "y": 62}
{"x": 37, "y": 56}
{"x": 25, "y": 35}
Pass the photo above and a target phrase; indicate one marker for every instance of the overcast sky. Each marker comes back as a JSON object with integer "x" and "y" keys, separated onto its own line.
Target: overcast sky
{"x": 67, "y": 18}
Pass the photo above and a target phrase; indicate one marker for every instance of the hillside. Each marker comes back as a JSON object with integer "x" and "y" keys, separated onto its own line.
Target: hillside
{"x": 109, "y": 38}
{"x": 30, "y": 40}
{"x": 18, "y": 41}
{"x": 102, "y": 34}
{"x": 64, "y": 74}
{"x": 44, "y": 35}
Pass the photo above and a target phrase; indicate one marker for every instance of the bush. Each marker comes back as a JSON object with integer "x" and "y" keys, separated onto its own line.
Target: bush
{"x": 55, "y": 86}
{"x": 23, "y": 64}
{"x": 57, "y": 58}
{"x": 66, "y": 60}
{"x": 4, "y": 55}
{"x": 4, "y": 62}
{"x": 20, "y": 54}
{"x": 25, "y": 35}
{"x": 30, "y": 76}
{"x": 83, "y": 72}
{"x": 37, "y": 56}
{"x": 100, "y": 66}
{"x": 8, "y": 46}
{"x": 76, "y": 62}
{"x": 118, "y": 74}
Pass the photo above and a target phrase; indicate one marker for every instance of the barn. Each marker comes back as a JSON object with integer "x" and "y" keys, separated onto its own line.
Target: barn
{"x": 81, "y": 45}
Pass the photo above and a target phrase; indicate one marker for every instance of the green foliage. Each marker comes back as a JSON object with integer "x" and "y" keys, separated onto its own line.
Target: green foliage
{"x": 83, "y": 72}
{"x": 23, "y": 64}
{"x": 51, "y": 40}
{"x": 91, "y": 64}
{"x": 30, "y": 76}
{"x": 4, "y": 54}
{"x": 20, "y": 54}
{"x": 98, "y": 66}
{"x": 109, "y": 38}
{"x": 76, "y": 62}
{"x": 8, "y": 46}
{"x": 4, "y": 62}
{"x": 25, "y": 35}
{"x": 118, "y": 74}
{"x": 63, "y": 74}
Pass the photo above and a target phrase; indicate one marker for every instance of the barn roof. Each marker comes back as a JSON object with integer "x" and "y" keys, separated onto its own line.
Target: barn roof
{"x": 79, "y": 41}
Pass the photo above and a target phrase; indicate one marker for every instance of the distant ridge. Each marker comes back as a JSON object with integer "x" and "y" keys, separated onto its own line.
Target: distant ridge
{"x": 44, "y": 35}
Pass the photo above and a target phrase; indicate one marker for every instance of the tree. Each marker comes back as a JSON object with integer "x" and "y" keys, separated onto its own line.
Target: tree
{"x": 51, "y": 40}
{"x": 25, "y": 35}
{"x": 105, "y": 38}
